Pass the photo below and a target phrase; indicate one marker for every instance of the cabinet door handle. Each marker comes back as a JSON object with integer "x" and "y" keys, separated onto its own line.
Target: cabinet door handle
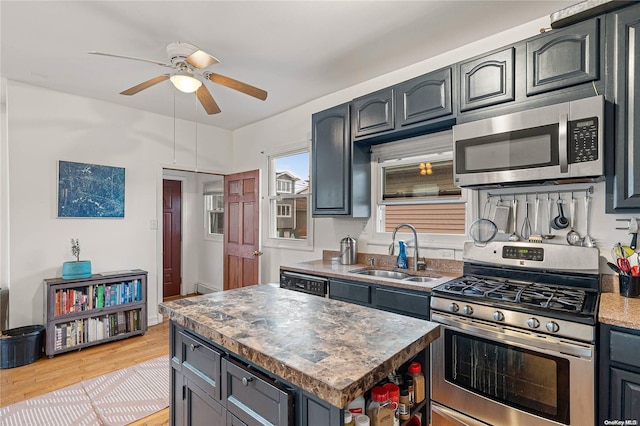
{"x": 247, "y": 380}
{"x": 194, "y": 347}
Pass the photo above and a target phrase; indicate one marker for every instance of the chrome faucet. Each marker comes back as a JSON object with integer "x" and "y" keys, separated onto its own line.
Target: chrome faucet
{"x": 416, "y": 256}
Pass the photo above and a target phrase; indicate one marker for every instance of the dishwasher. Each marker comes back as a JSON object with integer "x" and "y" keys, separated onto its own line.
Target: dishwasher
{"x": 310, "y": 284}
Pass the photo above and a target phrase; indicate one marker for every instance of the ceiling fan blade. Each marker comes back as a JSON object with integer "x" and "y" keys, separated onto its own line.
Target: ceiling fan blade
{"x": 207, "y": 101}
{"x": 131, "y": 57}
{"x": 145, "y": 85}
{"x": 201, "y": 59}
{"x": 237, "y": 85}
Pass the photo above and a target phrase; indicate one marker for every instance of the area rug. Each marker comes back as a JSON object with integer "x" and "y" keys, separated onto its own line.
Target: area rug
{"x": 115, "y": 399}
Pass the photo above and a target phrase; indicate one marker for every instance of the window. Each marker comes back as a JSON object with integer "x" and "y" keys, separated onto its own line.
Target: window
{"x": 284, "y": 210}
{"x": 289, "y": 198}
{"x": 214, "y": 212}
{"x": 284, "y": 186}
{"x": 414, "y": 184}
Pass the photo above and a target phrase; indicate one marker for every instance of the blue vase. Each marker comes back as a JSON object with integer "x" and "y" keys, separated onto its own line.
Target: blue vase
{"x": 78, "y": 269}
{"x": 401, "y": 262}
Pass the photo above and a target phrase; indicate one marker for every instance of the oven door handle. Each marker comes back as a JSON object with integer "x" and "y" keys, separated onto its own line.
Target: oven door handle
{"x": 507, "y": 335}
{"x": 453, "y": 417}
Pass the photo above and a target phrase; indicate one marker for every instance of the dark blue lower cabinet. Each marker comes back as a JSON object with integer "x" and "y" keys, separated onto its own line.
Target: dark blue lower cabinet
{"x": 200, "y": 408}
{"x": 234, "y": 421}
{"x": 619, "y": 387}
{"x": 210, "y": 386}
{"x": 315, "y": 412}
{"x": 359, "y": 293}
{"x": 255, "y": 398}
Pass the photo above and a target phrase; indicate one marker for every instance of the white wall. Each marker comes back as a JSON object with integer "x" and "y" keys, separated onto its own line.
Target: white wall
{"x": 44, "y": 127}
{"x": 210, "y": 249}
{"x": 294, "y": 126}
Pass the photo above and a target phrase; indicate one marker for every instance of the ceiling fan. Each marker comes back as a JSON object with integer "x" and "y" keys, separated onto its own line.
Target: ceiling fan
{"x": 188, "y": 62}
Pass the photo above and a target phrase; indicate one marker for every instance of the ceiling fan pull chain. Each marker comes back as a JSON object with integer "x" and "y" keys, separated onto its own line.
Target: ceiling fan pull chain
{"x": 196, "y": 109}
{"x": 174, "y": 127}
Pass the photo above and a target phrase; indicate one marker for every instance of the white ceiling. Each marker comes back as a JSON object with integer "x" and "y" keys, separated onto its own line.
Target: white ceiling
{"x": 296, "y": 50}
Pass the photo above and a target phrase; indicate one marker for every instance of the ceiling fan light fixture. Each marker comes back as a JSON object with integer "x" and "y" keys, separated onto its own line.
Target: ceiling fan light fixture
{"x": 185, "y": 83}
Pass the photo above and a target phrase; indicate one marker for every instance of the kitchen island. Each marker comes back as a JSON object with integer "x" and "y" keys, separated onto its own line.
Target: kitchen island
{"x": 329, "y": 350}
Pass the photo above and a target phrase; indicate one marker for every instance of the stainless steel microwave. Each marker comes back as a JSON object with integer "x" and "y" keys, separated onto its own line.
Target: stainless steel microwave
{"x": 550, "y": 143}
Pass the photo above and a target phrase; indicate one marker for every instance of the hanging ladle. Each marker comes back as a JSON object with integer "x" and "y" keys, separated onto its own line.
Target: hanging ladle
{"x": 514, "y": 236}
{"x": 573, "y": 238}
{"x": 587, "y": 241}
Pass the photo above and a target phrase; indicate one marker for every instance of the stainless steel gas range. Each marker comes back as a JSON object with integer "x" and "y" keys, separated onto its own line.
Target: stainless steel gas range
{"x": 518, "y": 340}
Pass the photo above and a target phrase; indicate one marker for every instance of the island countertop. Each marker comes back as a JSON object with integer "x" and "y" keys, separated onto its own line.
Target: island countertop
{"x": 332, "y": 349}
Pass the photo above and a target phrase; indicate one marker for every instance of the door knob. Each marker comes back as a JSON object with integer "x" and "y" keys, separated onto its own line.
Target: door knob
{"x": 257, "y": 253}
{"x": 247, "y": 380}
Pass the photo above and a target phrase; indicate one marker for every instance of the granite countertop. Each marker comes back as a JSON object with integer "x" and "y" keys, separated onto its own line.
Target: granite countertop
{"x": 332, "y": 349}
{"x": 619, "y": 310}
{"x": 332, "y": 269}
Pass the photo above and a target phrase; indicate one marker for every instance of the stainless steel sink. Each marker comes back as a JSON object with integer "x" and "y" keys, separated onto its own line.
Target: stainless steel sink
{"x": 421, "y": 279}
{"x": 383, "y": 273}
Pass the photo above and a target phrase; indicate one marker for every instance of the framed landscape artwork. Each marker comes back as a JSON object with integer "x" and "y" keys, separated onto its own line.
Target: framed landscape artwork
{"x": 90, "y": 190}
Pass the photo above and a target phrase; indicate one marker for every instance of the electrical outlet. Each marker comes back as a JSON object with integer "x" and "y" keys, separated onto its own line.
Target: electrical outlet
{"x": 446, "y": 254}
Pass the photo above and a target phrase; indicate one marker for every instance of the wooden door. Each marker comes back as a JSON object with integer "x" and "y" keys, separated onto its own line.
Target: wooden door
{"x": 171, "y": 237}
{"x": 241, "y": 233}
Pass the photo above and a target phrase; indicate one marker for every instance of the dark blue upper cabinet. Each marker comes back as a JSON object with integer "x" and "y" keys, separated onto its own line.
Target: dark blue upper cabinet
{"x": 487, "y": 80}
{"x": 623, "y": 90}
{"x": 340, "y": 171}
{"x": 331, "y": 161}
{"x": 424, "y": 98}
{"x": 564, "y": 57}
{"x": 373, "y": 113}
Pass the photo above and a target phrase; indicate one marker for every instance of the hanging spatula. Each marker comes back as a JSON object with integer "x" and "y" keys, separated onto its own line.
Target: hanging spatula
{"x": 633, "y": 230}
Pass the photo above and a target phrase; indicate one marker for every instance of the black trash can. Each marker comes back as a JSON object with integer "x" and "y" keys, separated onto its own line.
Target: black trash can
{"x": 21, "y": 346}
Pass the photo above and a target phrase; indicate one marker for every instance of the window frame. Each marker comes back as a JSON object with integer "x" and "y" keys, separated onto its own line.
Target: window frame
{"x": 270, "y": 206}
{"x": 207, "y": 216}
{"x": 412, "y": 151}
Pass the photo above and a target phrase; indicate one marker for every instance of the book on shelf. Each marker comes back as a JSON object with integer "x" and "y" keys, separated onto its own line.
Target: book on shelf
{"x": 100, "y": 297}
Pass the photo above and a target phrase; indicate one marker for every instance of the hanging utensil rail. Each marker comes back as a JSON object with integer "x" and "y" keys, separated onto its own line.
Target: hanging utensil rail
{"x": 588, "y": 190}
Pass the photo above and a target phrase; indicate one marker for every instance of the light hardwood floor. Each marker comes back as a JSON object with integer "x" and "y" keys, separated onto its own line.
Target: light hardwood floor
{"x": 48, "y": 374}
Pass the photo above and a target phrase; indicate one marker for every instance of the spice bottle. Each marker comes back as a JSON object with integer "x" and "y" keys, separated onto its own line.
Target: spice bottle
{"x": 362, "y": 420}
{"x": 415, "y": 370}
{"x": 380, "y": 410}
{"x": 394, "y": 397}
{"x": 404, "y": 411}
{"x": 408, "y": 381}
{"x": 348, "y": 419}
{"x": 357, "y": 406}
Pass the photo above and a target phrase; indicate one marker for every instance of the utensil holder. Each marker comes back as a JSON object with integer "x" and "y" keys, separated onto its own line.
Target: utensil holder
{"x": 629, "y": 286}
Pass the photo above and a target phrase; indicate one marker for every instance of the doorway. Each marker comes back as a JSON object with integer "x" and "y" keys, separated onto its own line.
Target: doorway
{"x": 171, "y": 237}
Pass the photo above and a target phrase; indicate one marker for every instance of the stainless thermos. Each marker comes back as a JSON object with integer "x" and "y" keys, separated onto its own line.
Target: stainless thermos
{"x": 348, "y": 251}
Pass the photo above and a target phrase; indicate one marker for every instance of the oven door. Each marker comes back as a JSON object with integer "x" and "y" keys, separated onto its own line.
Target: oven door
{"x": 502, "y": 375}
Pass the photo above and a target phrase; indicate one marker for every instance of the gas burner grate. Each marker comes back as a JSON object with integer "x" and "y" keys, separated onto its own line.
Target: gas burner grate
{"x": 520, "y": 293}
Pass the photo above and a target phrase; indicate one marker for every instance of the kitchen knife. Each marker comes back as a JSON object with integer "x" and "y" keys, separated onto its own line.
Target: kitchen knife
{"x": 615, "y": 268}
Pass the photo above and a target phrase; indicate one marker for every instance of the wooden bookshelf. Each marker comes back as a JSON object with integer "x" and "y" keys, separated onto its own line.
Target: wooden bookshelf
{"x": 89, "y": 311}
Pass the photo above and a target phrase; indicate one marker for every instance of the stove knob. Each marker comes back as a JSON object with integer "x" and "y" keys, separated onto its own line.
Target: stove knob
{"x": 454, "y": 307}
{"x": 553, "y": 326}
{"x": 467, "y": 310}
{"x": 498, "y": 316}
{"x": 533, "y": 323}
